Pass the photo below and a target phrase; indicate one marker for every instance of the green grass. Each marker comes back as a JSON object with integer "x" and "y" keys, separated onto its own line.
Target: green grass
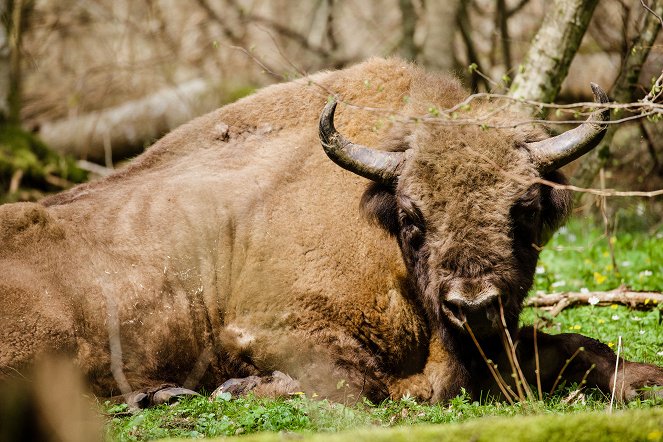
{"x": 577, "y": 258}
{"x": 200, "y": 417}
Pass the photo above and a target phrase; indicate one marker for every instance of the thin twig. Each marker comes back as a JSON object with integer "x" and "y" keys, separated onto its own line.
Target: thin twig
{"x": 614, "y": 382}
{"x": 15, "y": 181}
{"x": 583, "y": 381}
{"x": 504, "y": 388}
{"x": 603, "y": 206}
{"x": 538, "y": 368}
{"x": 518, "y": 375}
{"x": 566, "y": 364}
{"x": 642, "y": 2}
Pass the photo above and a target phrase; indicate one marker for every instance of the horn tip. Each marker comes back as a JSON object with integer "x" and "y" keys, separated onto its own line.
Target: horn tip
{"x": 327, "y": 121}
{"x": 330, "y": 107}
{"x": 600, "y": 95}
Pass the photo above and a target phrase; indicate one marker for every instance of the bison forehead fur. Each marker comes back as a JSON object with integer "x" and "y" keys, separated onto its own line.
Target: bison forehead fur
{"x": 234, "y": 247}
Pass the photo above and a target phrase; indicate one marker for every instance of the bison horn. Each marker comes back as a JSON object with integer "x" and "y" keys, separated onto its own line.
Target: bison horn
{"x": 376, "y": 165}
{"x": 555, "y": 152}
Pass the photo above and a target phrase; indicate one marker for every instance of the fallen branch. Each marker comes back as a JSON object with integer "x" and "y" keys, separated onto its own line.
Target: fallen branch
{"x": 556, "y": 302}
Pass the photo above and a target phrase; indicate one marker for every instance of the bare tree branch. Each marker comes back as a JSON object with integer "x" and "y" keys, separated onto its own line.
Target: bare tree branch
{"x": 282, "y": 30}
{"x": 521, "y": 4}
{"x": 657, "y": 15}
{"x": 501, "y": 19}
{"x": 5, "y": 70}
{"x": 464, "y": 25}
{"x": 225, "y": 28}
{"x": 624, "y": 91}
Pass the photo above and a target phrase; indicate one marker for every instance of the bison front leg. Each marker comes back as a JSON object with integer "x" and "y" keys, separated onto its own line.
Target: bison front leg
{"x": 442, "y": 377}
{"x": 576, "y": 358}
{"x": 277, "y": 384}
{"x": 326, "y": 363}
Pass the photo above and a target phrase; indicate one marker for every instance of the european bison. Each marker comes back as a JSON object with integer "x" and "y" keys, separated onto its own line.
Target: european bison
{"x": 234, "y": 248}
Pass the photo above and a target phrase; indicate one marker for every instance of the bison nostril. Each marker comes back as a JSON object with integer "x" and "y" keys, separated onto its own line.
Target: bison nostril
{"x": 456, "y": 310}
{"x": 481, "y": 310}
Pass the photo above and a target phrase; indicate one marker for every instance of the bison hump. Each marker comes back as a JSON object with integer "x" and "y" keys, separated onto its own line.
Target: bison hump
{"x": 20, "y": 222}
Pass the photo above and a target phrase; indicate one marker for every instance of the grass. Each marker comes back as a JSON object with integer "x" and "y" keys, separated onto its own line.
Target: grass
{"x": 577, "y": 258}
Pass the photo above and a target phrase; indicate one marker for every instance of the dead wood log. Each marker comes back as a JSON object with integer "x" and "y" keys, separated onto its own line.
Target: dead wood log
{"x": 123, "y": 131}
{"x": 556, "y": 302}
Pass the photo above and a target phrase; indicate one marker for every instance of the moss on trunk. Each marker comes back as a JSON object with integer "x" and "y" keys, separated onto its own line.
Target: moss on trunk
{"x": 29, "y": 168}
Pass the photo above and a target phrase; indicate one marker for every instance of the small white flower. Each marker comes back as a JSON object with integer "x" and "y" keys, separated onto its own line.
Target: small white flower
{"x": 593, "y": 300}
{"x": 642, "y": 332}
{"x": 646, "y": 273}
{"x": 558, "y": 284}
{"x": 540, "y": 270}
{"x": 584, "y": 290}
{"x": 626, "y": 263}
{"x": 635, "y": 318}
{"x": 660, "y": 353}
{"x": 615, "y": 317}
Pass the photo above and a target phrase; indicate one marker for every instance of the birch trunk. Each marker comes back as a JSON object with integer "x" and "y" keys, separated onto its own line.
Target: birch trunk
{"x": 547, "y": 62}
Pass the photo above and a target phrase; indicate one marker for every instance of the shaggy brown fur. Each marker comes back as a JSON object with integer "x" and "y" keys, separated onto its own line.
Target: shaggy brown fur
{"x": 234, "y": 247}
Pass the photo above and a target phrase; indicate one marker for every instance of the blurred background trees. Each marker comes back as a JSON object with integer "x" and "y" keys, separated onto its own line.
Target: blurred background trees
{"x": 102, "y": 79}
{"x": 26, "y": 163}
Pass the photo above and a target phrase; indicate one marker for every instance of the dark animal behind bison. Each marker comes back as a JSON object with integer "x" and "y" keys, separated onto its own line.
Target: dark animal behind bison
{"x": 234, "y": 248}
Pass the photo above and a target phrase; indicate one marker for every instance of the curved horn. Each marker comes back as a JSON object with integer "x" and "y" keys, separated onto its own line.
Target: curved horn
{"x": 555, "y": 152}
{"x": 376, "y": 165}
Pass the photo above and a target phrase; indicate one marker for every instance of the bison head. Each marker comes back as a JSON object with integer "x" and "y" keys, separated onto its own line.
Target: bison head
{"x": 467, "y": 209}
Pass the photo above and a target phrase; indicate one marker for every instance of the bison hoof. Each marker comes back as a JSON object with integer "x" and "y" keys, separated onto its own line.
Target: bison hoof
{"x": 170, "y": 395}
{"x": 139, "y": 400}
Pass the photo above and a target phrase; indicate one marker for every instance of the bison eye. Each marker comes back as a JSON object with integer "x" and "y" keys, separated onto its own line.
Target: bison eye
{"x": 411, "y": 227}
{"x": 526, "y": 227}
{"x": 526, "y": 214}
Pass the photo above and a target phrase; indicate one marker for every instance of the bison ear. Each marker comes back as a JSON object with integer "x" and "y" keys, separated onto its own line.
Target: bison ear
{"x": 378, "y": 204}
{"x": 556, "y": 205}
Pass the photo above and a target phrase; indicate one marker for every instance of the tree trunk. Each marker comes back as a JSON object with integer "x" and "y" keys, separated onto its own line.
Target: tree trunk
{"x": 408, "y": 48}
{"x": 547, "y": 62}
{"x": 4, "y": 61}
{"x": 438, "y": 48}
{"x": 124, "y": 130}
